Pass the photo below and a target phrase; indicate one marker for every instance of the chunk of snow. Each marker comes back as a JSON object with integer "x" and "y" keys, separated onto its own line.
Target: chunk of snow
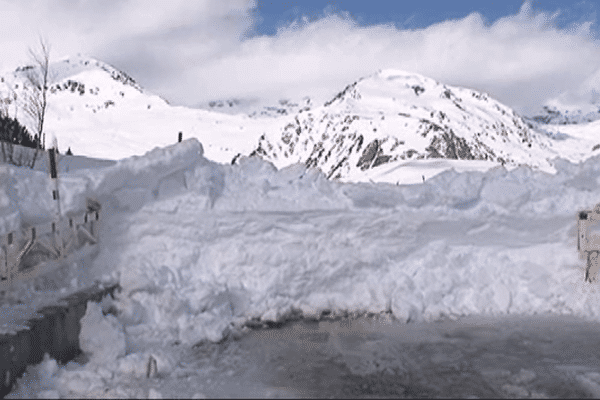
{"x": 106, "y": 347}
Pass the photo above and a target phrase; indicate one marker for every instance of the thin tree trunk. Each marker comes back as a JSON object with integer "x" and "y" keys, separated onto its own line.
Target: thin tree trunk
{"x": 38, "y": 100}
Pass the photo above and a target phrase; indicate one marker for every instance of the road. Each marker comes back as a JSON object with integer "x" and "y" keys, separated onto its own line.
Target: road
{"x": 474, "y": 357}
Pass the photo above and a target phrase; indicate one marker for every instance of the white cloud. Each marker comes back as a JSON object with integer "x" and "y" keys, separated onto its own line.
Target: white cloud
{"x": 164, "y": 31}
{"x": 194, "y": 51}
{"x": 523, "y": 60}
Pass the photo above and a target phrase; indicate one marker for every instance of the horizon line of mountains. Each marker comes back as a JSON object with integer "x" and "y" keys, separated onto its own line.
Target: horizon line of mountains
{"x": 386, "y": 118}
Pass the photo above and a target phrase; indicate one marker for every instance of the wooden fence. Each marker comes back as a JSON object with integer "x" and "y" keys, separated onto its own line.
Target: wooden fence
{"x": 24, "y": 251}
{"x": 588, "y": 244}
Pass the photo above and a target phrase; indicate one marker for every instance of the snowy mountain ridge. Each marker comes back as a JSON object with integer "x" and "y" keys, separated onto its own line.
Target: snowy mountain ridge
{"x": 552, "y": 115}
{"x": 395, "y": 116}
{"x": 75, "y": 85}
{"x": 99, "y": 111}
{"x": 259, "y": 109}
{"x": 70, "y": 66}
{"x": 373, "y": 129}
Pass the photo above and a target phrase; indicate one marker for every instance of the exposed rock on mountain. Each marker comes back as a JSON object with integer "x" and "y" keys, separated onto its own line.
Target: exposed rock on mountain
{"x": 371, "y": 130}
{"x": 395, "y": 115}
{"x": 554, "y": 116}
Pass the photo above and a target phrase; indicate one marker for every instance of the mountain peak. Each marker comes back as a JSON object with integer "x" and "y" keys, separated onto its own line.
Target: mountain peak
{"x": 394, "y": 116}
{"x": 398, "y": 89}
{"x": 68, "y": 67}
{"x": 399, "y": 74}
{"x": 74, "y": 65}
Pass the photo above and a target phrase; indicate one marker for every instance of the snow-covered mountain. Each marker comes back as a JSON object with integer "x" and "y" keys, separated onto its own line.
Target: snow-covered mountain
{"x": 552, "y": 115}
{"x": 256, "y": 108}
{"x": 99, "y": 111}
{"x": 374, "y": 129}
{"x": 81, "y": 76}
{"x": 394, "y": 116}
{"x": 204, "y": 251}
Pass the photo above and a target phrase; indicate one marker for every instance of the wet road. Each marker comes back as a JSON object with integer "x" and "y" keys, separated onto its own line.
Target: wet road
{"x": 546, "y": 356}
{"x": 505, "y": 357}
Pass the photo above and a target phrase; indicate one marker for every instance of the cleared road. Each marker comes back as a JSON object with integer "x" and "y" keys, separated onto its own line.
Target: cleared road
{"x": 506, "y": 357}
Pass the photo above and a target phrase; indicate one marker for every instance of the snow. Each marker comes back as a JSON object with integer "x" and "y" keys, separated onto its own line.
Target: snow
{"x": 392, "y": 117}
{"x": 410, "y": 172}
{"x": 100, "y": 112}
{"x": 107, "y": 347}
{"x": 201, "y": 248}
{"x": 574, "y": 142}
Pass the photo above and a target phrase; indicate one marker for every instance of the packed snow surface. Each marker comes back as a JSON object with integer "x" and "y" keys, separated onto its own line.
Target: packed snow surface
{"x": 202, "y": 248}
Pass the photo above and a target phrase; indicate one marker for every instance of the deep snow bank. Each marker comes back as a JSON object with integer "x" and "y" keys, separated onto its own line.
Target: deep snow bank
{"x": 211, "y": 245}
{"x": 202, "y": 247}
{"x": 26, "y": 195}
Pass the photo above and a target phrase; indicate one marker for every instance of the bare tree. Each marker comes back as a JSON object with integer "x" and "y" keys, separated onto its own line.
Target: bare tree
{"x": 37, "y": 101}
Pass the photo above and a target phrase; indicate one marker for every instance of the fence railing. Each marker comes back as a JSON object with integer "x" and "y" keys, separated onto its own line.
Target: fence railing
{"x": 22, "y": 252}
{"x": 588, "y": 244}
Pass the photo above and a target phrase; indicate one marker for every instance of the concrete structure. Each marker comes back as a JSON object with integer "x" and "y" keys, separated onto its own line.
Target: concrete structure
{"x": 55, "y": 333}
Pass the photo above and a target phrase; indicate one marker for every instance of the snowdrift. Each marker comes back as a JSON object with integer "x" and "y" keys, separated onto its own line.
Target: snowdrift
{"x": 202, "y": 248}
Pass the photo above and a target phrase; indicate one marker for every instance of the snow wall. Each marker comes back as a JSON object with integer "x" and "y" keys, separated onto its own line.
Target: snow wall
{"x": 201, "y": 248}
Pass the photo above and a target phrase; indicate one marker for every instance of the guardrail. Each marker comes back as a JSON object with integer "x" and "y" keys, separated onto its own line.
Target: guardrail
{"x": 22, "y": 252}
{"x": 589, "y": 245}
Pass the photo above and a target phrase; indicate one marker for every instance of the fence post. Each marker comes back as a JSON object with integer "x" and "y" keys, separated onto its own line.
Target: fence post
{"x": 54, "y": 177}
{"x": 75, "y": 240}
{"x": 11, "y": 256}
{"x": 4, "y": 271}
{"x": 57, "y": 239}
{"x": 180, "y": 137}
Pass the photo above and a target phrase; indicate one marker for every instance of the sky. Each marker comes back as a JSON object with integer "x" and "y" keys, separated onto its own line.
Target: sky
{"x": 525, "y": 54}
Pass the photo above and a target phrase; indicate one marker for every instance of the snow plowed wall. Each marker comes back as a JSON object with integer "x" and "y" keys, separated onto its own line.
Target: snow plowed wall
{"x": 202, "y": 247}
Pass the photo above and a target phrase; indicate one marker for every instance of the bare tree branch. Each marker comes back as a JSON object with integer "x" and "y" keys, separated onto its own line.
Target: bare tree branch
{"x": 39, "y": 79}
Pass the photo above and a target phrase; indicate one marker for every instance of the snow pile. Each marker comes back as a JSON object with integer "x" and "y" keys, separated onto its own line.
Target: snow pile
{"x": 26, "y": 196}
{"x": 9, "y": 214}
{"x": 202, "y": 248}
{"x": 253, "y": 184}
{"x": 106, "y": 347}
{"x": 216, "y": 245}
{"x": 129, "y": 182}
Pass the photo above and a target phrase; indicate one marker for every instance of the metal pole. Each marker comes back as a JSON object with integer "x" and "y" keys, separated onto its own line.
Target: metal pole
{"x": 54, "y": 177}
{"x": 58, "y": 241}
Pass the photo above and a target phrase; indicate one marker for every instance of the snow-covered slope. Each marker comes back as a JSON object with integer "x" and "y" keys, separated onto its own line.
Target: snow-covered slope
{"x": 552, "y": 115}
{"x": 376, "y": 129}
{"x": 394, "y": 116}
{"x": 575, "y": 142}
{"x": 99, "y": 111}
{"x": 259, "y": 109}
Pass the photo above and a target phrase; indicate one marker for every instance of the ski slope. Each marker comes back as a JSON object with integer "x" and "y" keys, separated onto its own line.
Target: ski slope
{"x": 202, "y": 248}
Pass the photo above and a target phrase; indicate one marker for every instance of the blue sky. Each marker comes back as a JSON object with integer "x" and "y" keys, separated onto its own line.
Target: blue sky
{"x": 524, "y": 54}
{"x": 410, "y": 14}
